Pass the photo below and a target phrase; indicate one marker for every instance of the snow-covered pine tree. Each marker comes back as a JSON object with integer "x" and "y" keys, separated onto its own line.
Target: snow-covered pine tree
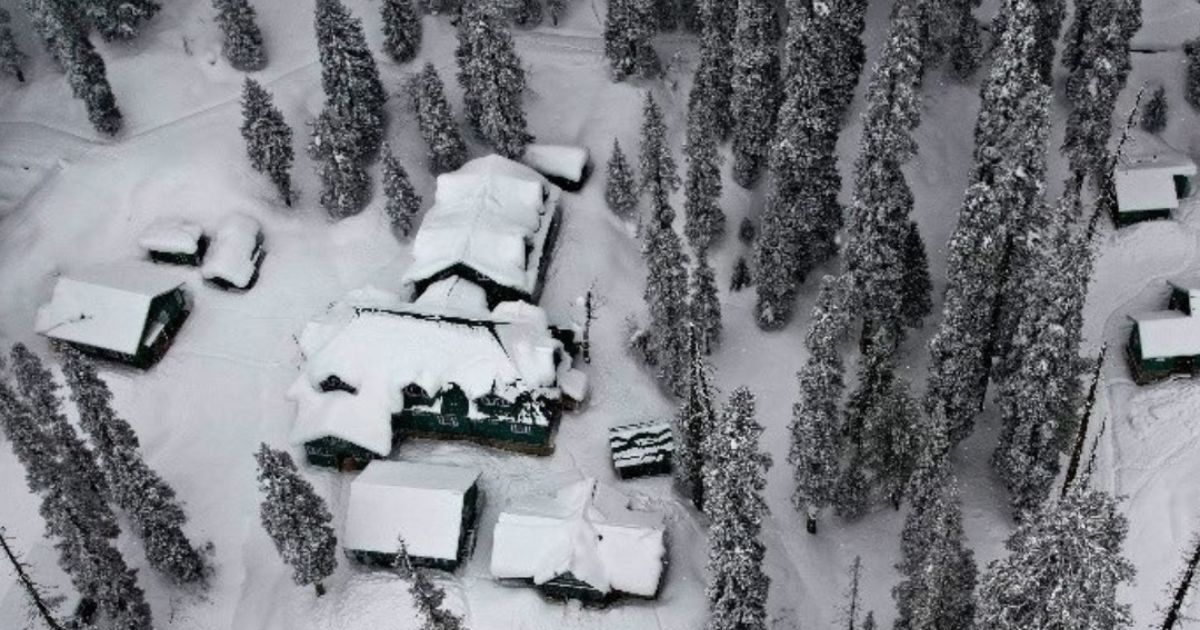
{"x": 492, "y": 79}
{"x": 243, "y": 43}
{"x": 1002, "y": 199}
{"x": 755, "y": 84}
{"x": 119, "y": 19}
{"x": 659, "y": 175}
{"x": 667, "y": 299}
{"x": 704, "y": 220}
{"x": 1174, "y": 617}
{"x": 619, "y": 191}
{"x": 815, "y": 447}
{"x": 401, "y": 30}
{"x": 1098, "y": 74}
{"x": 296, "y": 519}
{"x": 556, "y": 9}
{"x": 345, "y": 185}
{"x": 629, "y": 27}
{"x": 712, "y": 88}
{"x": 696, "y": 418}
{"x": 965, "y": 48}
{"x": 1154, "y": 112}
{"x": 1063, "y": 569}
{"x": 666, "y": 14}
{"x": 1191, "y": 92}
{"x": 735, "y": 477}
{"x": 845, "y": 58}
{"x": 268, "y": 138}
{"x": 350, "y": 78}
{"x": 443, "y": 141}
{"x": 1048, "y": 30}
{"x": 525, "y": 13}
{"x": 917, "y": 286}
{"x": 741, "y": 277}
{"x": 155, "y": 513}
{"x": 853, "y": 605}
{"x": 41, "y": 605}
{"x": 11, "y": 58}
{"x": 705, "y": 304}
{"x": 403, "y": 202}
{"x": 428, "y": 598}
{"x": 89, "y": 82}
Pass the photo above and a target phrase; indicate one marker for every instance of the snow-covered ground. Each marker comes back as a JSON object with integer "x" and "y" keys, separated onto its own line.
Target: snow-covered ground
{"x": 69, "y": 199}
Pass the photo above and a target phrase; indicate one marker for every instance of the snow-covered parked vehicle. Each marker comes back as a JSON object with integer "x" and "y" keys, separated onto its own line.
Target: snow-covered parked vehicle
{"x": 128, "y": 312}
{"x": 565, "y": 166}
{"x": 236, "y": 253}
{"x": 174, "y": 242}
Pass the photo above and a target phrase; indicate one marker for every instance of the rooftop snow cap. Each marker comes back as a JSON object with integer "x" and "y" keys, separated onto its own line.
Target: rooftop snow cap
{"x": 424, "y": 503}
{"x": 1144, "y": 176}
{"x": 586, "y": 529}
{"x": 171, "y": 236}
{"x": 493, "y": 216}
{"x": 233, "y": 255}
{"x": 105, "y": 306}
{"x": 557, "y": 160}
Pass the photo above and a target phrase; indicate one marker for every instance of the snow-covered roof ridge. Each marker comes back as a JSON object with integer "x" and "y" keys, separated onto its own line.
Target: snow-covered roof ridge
{"x": 105, "y": 306}
{"x": 1145, "y": 151}
{"x": 586, "y": 529}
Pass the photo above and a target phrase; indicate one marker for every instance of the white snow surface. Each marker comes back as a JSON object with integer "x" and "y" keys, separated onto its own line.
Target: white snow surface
{"x": 586, "y": 529}
{"x": 171, "y": 236}
{"x": 557, "y": 160}
{"x": 105, "y": 306}
{"x": 233, "y": 255}
{"x": 423, "y": 503}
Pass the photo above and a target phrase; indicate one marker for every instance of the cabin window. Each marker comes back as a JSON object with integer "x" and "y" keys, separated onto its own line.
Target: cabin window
{"x": 522, "y": 429}
{"x": 447, "y": 422}
{"x": 334, "y": 384}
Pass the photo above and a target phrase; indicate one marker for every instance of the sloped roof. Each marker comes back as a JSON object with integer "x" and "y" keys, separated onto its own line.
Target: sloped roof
{"x": 231, "y": 257}
{"x": 586, "y": 529}
{"x": 1164, "y": 334}
{"x": 1144, "y": 176}
{"x": 421, "y": 502}
{"x": 492, "y": 216}
{"x": 556, "y": 160}
{"x": 171, "y": 236}
{"x": 105, "y": 306}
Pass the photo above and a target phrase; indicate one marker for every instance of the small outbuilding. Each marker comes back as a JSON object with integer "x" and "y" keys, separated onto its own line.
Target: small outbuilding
{"x": 565, "y": 166}
{"x": 174, "y": 242}
{"x": 583, "y": 542}
{"x": 432, "y": 507}
{"x": 1151, "y": 178}
{"x": 128, "y": 312}
{"x": 236, "y": 254}
{"x": 642, "y": 450}
{"x": 1164, "y": 343}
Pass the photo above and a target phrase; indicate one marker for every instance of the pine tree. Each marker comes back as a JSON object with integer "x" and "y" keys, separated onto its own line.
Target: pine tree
{"x": 155, "y": 513}
{"x": 666, "y": 296}
{"x": 1174, "y": 617}
{"x": 403, "y": 203}
{"x": 1192, "y": 87}
{"x": 243, "y": 45}
{"x": 492, "y": 79}
{"x": 629, "y": 27}
{"x": 556, "y": 8}
{"x": 705, "y": 221}
{"x": 444, "y": 142}
{"x": 852, "y": 496}
{"x": 401, "y": 30}
{"x": 619, "y": 191}
{"x": 40, "y": 603}
{"x": 696, "y": 418}
{"x": 350, "y": 78}
{"x": 853, "y": 597}
{"x": 1154, "y": 112}
{"x": 11, "y": 57}
{"x": 525, "y": 13}
{"x": 712, "y": 86}
{"x": 755, "y": 84}
{"x": 881, "y": 416}
{"x": 428, "y": 598}
{"x": 741, "y": 277}
{"x": 268, "y": 138}
{"x": 815, "y": 448}
{"x": 659, "y": 176}
{"x": 119, "y": 19}
{"x": 734, "y": 478}
{"x": 965, "y": 48}
{"x": 296, "y": 519}
{"x": 916, "y": 287}
{"x": 1063, "y": 569}
{"x": 345, "y": 185}
{"x": 705, "y": 304}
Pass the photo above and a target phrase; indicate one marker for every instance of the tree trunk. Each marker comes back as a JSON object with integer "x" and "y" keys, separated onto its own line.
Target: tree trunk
{"x": 1175, "y": 613}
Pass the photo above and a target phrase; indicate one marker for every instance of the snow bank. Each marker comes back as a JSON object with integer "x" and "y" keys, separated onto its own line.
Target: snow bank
{"x": 171, "y": 236}
{"x": 235, "y": 252}
{"x": 585, "y": 529}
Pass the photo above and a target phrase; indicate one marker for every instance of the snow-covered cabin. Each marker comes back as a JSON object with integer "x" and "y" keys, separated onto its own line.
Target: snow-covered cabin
{"x": 1167, "y": 342}
{"x": 377, "y": 371}
{"x": 174, "y": 242}
{"x": 432, "y": 507}
{"x": 565, "y": 166}
{"x": 236, "y": 254}
{"x": 583, "y": 542}
{"x": 128, "y": 311}
{"x": 493, "y": 222}
{"x": 1150, "y": 178}
{"x": 642, "y": 450}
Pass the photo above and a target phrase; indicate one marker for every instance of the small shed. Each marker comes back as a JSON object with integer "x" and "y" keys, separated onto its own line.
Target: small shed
{"x": 236, "y": 254}
{"x": 583, "y": 542}
{"x": 128, "y": 312}
{"x": 432, "y": 507}
{"x": 1163, "y": 343}
{"x": 1151, "y": 177}
{"x": 642, "y": 450}
{"x": 565, "y": 166}
{"x": 174, "y": 242}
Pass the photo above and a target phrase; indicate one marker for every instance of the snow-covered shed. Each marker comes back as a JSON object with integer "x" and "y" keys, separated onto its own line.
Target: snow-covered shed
{"x": 1150, "y": 179}
{"x": 174, "y": 241}
{"x": 127, "y": 311}
{"x": 1167, "y": 342}
{"x": 584, "y": 542}
{"x": 236, "y": 253}
{"x": 432, "y": 507}
{"x": 374, "y": 374}
{"x": 565, "y": 166}
{"x": 642, "y": 450}
{"x": 493, "y": 222}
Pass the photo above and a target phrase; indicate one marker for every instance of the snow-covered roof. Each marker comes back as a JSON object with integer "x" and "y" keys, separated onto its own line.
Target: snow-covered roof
{"x": 586, "y": 529}
{"x": 1166, "y": 334}
{"x": 421, "y": 502}
{"x": 454, "y": 296}
{"x": 556, "y": 160}
{"x": 232, "y": 255}
{"x": 574, "y": 384}
{"x": 171, "y": 236}
{"x": 1144, "y": 151}
{"x": 380, "y": 352}
{"x": 493, "y": 215}
{"x": 105, "y": 306}
{"x": 635, "y": 444}
{"x": 1144, "y": 176}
